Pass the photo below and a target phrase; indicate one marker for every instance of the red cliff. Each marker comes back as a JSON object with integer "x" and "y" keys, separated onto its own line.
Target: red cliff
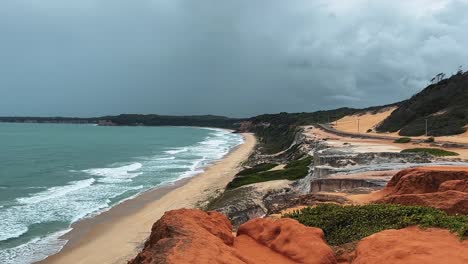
{"x": 445, "y": 188}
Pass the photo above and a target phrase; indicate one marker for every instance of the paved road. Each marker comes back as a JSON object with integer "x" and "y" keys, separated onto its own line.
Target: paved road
{"x": 329, "y": 129}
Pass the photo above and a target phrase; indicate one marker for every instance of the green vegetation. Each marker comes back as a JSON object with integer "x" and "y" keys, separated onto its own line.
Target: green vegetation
{"x": 161, "y": 120}
{"x": 429, "y": 140}
{"x": 403, "y": 140}
{"x": 344, "y": 224}
{"x": 139, "y": 120}
{"x": 258, "y": 168}
{"x": 299, "y": 163}
{"x": 431, "y": 151}
{"x": 293, "y": 171}
{"x": 442, "y": 104}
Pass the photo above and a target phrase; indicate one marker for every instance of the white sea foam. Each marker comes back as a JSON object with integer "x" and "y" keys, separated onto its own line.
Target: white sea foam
{"x": 87, "y": 197}
{"x": 34, "y": 250}
{"x": 116, "y": 174}
{"x": 176, "y": 151}
{"x": 168, "y": 158}
{"x": 10, "y": 233}
{"x": 56, "y": 192}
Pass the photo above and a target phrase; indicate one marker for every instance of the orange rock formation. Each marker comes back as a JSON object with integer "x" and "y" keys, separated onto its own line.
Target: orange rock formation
{"x": 445, "y": 188}
{"x": 192, "y": 236}
{"x": 412, "y": 246}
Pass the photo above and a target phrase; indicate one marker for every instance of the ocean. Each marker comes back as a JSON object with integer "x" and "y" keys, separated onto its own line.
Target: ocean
{"x": 52, "y": 175}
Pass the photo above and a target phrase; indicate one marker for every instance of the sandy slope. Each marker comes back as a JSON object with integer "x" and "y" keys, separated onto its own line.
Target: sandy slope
{"x": 370, "y": 120}
{"x": 118, "y": 238}
{"x": 367, "y": 121}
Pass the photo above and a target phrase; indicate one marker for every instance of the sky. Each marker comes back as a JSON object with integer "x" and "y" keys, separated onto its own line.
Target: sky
{"x": 235, "y": 58}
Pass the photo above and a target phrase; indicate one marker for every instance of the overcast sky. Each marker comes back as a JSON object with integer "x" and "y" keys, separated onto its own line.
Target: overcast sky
{"x": 237, "y": 58}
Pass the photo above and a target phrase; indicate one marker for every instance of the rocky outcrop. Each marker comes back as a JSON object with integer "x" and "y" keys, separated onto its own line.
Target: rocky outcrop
{"x": 444, "y": 188}
{"x": 425, "y": 179}
{"x": 252, "y": 201}
{"x": 197, "y": 237}
{"x": 345, "y": 184}
{"x": 339, "y": 158}
{"x": 411, "y": 246}
{"x": 240, "y": 204}
{"x": 190, "y": 236}
{"x": 289, "y": 238}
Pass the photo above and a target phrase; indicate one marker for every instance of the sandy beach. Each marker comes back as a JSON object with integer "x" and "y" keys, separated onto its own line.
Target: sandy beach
{"x": 117, "y": 235}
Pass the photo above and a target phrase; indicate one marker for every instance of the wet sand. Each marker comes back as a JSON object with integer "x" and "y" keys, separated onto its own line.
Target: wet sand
{"x": 117, "y": 235}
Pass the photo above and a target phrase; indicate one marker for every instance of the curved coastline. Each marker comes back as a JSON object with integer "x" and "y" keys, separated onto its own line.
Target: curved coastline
{"x": 116, "y": 235}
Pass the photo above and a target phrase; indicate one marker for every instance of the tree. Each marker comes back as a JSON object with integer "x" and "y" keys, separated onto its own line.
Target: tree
{"x": 439, "y": 77}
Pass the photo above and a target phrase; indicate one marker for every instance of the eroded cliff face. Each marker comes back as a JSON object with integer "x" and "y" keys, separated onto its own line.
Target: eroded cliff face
{"x": 193, "y": 236}
{"x": 443, "y": 188}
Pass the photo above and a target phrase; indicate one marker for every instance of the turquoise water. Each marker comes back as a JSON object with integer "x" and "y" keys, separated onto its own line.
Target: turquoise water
{"x": 52, "y": 175}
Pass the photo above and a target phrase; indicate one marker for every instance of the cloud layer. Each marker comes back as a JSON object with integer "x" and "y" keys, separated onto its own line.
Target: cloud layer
{"x": 236, "y": 58}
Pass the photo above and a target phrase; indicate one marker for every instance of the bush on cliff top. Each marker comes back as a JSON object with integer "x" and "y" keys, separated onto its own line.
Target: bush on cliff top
{"x": 431, "y": 151}
{"x": 403, "y": 140}
{"x": 293, "y": 171}
{"x": 344, "y": 224}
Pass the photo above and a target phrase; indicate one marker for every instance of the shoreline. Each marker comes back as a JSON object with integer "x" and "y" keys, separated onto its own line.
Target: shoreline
{"x": 117, "y": 235}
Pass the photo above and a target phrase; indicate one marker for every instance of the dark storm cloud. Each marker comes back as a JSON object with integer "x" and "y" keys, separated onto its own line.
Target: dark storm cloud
{"x": 238, "y": 58}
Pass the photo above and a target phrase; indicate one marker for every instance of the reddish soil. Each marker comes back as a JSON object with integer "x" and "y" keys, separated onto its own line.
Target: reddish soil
{"x": 412, "y": 246}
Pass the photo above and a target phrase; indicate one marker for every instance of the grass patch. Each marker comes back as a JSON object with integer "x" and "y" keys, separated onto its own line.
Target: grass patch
{"x": 257, "y": 168}
{"x": 431, "y": 151}
{"x": 344, "y": 224}
{"x": 293, "y": 171}
{"x": 299, "y": 163}
{"x": 403, "y": 140}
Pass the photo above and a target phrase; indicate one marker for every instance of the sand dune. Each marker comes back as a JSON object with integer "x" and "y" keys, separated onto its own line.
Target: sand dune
{"x": 368, "y": 120}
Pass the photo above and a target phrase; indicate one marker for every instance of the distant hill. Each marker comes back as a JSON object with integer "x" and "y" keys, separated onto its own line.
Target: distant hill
{"x": 162, "y": 120}
{"x": 444, "y": 105}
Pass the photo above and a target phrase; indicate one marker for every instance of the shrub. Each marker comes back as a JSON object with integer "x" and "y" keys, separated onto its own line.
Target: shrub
{"x": 403, "y": 140}
{"x": 293, "y": 171}
{"x": 344, "y": 224}
{"x": 257, "y": 168}
{"x": 298, "y": 163}
{"x": 431, "y": 151}
{"x": 429, "y": 140}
